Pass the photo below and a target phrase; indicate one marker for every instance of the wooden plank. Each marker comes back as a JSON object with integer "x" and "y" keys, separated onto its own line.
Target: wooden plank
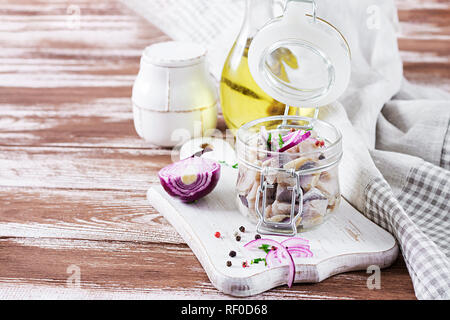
{"x": 45, "y": 47}
{"x": 38, "y": 268}
{"x": 421, "y": 4}
{"x": 100, "y": 121}
{"x": 77, "y": 92}
{"x": 81, "y": 168}
{"x": 65, "y": 84}
{"x": 82, "y": 214}
{"x": 424, "y": 41}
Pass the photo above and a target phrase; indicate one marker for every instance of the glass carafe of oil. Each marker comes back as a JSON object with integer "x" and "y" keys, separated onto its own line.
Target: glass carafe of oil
{"x": 241, "y": 98}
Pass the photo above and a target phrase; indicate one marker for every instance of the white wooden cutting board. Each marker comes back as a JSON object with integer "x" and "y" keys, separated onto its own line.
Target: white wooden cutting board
{"x": 346, "y": 241}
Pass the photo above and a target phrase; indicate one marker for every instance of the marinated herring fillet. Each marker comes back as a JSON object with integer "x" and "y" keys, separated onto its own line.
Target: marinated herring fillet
{"x": 304, "y": 154}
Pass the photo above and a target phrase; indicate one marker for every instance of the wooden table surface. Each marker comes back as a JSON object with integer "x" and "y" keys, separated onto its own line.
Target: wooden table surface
{"x": 74, "y": 174}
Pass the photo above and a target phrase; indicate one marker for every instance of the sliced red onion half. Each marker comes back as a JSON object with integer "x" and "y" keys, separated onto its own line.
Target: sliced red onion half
{"x": 258, "y": 242}
{"x": 190, "y": 179}
{"x": 294, "y": 139}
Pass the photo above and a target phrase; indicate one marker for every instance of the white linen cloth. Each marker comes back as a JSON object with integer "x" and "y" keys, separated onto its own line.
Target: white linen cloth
{"x": 396, "y": 162}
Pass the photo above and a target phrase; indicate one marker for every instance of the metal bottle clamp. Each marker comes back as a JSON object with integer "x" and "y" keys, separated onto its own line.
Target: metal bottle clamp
{"x": 288, "y": 228}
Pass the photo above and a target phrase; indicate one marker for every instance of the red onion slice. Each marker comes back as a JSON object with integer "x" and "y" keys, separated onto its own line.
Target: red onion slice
{"x": 300, "y": 252}
{"x": 294, "y": 139}
{"x": 190, "y": 179}
{"x": 295, "y": 241}
{"x": 258, "y": 242}
{"x": 297, "y": 253}
{"x": 272, "y": 259}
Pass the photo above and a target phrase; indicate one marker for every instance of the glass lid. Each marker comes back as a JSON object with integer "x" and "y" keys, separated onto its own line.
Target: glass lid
{"x": 297, "y": 68}
{"x": 300, "y": 59}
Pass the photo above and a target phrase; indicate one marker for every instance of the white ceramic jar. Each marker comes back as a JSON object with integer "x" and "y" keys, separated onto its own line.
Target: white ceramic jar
{"x": 174, "y": 91}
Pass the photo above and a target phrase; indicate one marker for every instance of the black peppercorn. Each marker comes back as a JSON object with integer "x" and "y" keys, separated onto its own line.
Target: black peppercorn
{"x": 242, "y": 229}
{"x": 232, "y": 253}
{"x": 238, "y": 238}
{"x": 257, "y": 237}
{"x": 321, "y": 157}
{"x": 228, "y": 263}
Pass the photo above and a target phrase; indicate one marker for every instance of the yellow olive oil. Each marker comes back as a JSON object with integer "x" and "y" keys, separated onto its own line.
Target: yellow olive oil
{"x": 242, "y": 100}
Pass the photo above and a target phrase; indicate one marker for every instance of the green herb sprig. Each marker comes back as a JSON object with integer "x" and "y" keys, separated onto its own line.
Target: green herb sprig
{"x": 258, "y": 260}
{"x": 269, "y": 141}
{"x": 280, "y": 141}
{"x": 234, "y": 166}
{"x": 265, "y": 247}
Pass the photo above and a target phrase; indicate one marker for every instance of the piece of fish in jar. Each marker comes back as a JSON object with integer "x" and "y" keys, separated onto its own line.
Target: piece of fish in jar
{"x": 296, "y": 164}
{"x": 314, "y": 200}
{"x": 285, "y": 178}
{"x": 307, "y": 182}
{"x": 315, "y": 205}
{"x": 268, "y": 213}
{"x": 286, "y": 157}
{"x": 328, "y": 183}
{"x": 281, "y": 208}
{"x": 309, "y": 145}
{"x": 305, "y": 163}
{"x": 246, "y": 179}
{"x": 271, "y": 192}
{"x": 243, "y": 207}
{"x": 271, "y": 162}
{"x": 283, "y": 193}
{"x": 333, "y": 203}
{"x": 243, "y": 200}
{"x": 310, "y": 180}
{"x": 278, "y": 218}
{"x": 251, "y": 197}
{"x": 242, "y": 203}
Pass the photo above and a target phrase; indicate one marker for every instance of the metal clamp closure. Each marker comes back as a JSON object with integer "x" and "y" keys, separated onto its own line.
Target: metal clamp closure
{"x": 288, "y": 227}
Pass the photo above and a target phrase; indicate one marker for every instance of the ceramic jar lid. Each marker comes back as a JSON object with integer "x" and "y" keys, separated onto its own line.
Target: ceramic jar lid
{"x": 300, "y": 59}
{"x": 174, "y": 54}
{"x": 173, "y": 77}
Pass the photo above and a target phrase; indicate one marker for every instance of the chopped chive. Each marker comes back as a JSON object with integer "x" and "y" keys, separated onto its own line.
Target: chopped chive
{"x": 258, "y": 260}
{"x": 234, "y": 166}
{"x": 269, "y": 141}
{"x": 265, "y": 247}
{"x": 280, "y": 140}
